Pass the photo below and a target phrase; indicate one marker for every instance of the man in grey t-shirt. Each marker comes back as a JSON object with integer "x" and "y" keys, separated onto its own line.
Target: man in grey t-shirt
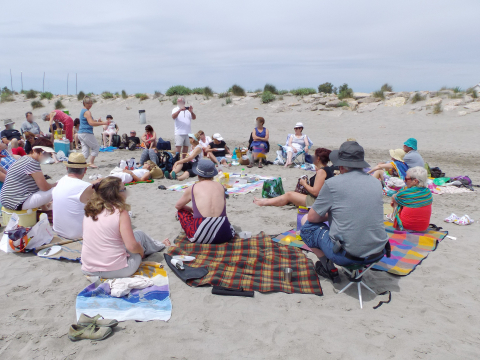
{"x": 412, "y": 158}
{"x": 30, "y": 125}
{"x": 353, "y": 205}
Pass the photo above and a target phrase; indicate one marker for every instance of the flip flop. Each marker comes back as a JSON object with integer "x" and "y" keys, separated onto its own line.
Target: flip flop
{"x": 249, "y": 166}
{"x": 260, "y": 166}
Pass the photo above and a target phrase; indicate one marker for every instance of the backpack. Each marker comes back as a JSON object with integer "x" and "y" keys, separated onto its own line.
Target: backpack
{"x": 132, "y": 145}
{"x": 116, "y": 140}
{"x": 465, "y": 180}
{"x": 124, "y": 142}
{"x": 163, "y": 145}
{"x": 166, "y": 161}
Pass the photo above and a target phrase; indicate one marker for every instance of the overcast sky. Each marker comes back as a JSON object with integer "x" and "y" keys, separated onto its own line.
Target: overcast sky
{"x": 142, "y": 46}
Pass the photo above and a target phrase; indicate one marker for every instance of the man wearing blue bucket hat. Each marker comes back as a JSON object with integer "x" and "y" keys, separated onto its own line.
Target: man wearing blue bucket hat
{"x": 412, "y": 157}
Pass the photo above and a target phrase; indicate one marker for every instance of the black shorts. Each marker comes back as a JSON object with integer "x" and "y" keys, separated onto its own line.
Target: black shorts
{"x": 188, "y": 167}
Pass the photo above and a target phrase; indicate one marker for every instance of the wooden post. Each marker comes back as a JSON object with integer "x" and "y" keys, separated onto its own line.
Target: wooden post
{"x": 21, "y": 77}
{"x": 76, "y": 80}
{"x": 67, "y": 82}
{"x": 11, "y": 81}
{"x": 43, "y": 90}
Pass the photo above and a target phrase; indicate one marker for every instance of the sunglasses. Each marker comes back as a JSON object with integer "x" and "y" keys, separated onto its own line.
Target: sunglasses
{"x": 409, "y": 179}
{"x": 298, "y": 128}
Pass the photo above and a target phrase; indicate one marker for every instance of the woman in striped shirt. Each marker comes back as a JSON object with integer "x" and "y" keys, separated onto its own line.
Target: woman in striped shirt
{"x": 25, "y": 186}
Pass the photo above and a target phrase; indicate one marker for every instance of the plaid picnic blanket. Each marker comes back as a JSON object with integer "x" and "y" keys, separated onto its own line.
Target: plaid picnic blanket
{"x": 254, "y": 264}
{"x": 409, "y": 249}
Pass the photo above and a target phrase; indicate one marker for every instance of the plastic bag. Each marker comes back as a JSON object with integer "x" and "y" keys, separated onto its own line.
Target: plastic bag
{"x": 441, "y": 181}
{"x": 272, "y": 188}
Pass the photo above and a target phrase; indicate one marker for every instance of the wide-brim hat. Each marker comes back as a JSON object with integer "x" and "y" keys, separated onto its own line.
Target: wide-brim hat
{"x": 350, "y": 154}
{"x": 44, "y": 148}
{"x": 76, "y": 161}
{"x": 397, "y": 154}
{"x": 8, "y": 122}
{"x": 411, "y": 143}
{"x": 299, "y": 124}
{"x": 204, "y": 168}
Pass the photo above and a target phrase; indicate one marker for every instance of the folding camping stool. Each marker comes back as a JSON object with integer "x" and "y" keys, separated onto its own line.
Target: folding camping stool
{"x": 355, "y": 274}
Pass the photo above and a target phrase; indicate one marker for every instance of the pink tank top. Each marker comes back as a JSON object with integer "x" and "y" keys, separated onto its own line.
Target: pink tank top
{"x": 103, "y": 248}
{"x": 61, "y": 116}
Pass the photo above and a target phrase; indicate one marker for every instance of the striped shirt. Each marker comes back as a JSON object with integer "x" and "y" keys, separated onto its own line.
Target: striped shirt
{"x": 19, "y": 184}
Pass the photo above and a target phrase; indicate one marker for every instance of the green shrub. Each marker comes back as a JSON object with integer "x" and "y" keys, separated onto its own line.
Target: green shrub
{"x": 48, "y": 95}
{"x": 80, "y": 96}
{"x": 107, "y": 95}
{"x": 223, "y": 95}
{"x": 178, "y": 90}
{"x": 207, "y": 91}
{"x": 31, "y": 94}
{"x": 6, "y": 96}
{"x": 267, "y": 97}
{"x": 386, "y": 87}
{"x": 457, "y": 89}
{"x": 36, "y": 104}
{"x": 59, "y": 105}
{"x": 197, "y": 90}
{"x": 345, "y": 92}
{"x": 117, "y": 94}
{"x": 475, "y": 94}
{"x": 303, "y": 91}
{"x": 228, "y": 100}
{"x": 417, "y": 97}
{"x": 124, "y": 94}
{"x": 280, "y": 97}
{"x": 258, "y": 91}
{"x": 174, "y": 100}
{"x": 378, "y": 94}
{"x": 5, "y": 90}
{"x": 282, "y": 92}
{"x": 141, "y": 96}
{"x": 271, "y": 88}
{"x": 157, "y": 94}
{"x": 342, "y": 104}
{"x": 437, "y": 109}
{"x": 237, "y": 90}
{"x": 326, "y": 88}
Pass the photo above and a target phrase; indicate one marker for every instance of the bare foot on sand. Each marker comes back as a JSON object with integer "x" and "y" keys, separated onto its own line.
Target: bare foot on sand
{"x": 260, "y": 202}
{"x": 167, "y": 242}
{"x": 92, "y": 166}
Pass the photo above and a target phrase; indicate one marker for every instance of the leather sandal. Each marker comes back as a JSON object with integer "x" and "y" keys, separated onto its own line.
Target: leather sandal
{"x": 78, "y": 332}
{"x": 97, "y": 320}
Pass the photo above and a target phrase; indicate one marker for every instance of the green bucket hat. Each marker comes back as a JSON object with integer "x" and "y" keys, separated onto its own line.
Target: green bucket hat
{"x": 411, "y": 143}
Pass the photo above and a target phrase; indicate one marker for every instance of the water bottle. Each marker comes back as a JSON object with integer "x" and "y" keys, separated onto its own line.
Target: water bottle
{"x": 242, "y": 174}
{"x": 123, "y": 164}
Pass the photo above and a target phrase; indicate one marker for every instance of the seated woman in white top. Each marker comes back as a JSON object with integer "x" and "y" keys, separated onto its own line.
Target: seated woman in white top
{"x": 204, "y": 141}
{"x": 109, "y": 130}
{"x": 69, "y": 198}
{"x": 187, "y": 163}
{"x": 297, "y": 143}
{"x": 111, "y": 249}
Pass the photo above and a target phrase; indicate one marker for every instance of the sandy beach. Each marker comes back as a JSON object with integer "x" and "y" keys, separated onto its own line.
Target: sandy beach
{"x": 433, "y": 312}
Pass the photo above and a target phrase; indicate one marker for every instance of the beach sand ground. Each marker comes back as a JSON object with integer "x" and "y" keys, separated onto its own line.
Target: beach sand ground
{"x": 433, "y": 312}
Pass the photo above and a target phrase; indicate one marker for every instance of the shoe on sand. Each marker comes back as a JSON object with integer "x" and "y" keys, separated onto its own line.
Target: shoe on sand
{"x": 78, "y": 332}
{"x": 331, "y": 273}
{"x": 97, "y": 320}
{"x": 464, "y": 220}
{"x": 452, "y": 218}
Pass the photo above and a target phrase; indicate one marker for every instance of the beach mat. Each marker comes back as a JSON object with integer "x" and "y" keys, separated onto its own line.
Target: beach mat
{"x": 289, "y": 238}
{"x": 71, "y": 251}
{"x": 151, "y": 303}
{"x": 240, "y": 189}
{"x": 409, "y": 249}
{"x": 254, "y": 264}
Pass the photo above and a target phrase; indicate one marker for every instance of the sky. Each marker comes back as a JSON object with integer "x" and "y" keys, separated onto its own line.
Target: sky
{"x": 144, "y": 46}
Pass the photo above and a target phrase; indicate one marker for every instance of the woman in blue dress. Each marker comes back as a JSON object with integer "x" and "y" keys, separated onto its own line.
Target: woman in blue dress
{"x": 259, "y": 145}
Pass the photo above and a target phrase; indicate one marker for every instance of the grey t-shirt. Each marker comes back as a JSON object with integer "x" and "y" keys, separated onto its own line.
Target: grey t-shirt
{"x": 32, "y": 127}
{"x": 354, "y": 205}
{"x": 413, "y": 158}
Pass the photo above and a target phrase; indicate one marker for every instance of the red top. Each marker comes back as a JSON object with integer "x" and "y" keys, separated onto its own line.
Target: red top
{"x": 416, "y": 219}
{"x": 19, "y": 151}
{"x": 61, "y": 116}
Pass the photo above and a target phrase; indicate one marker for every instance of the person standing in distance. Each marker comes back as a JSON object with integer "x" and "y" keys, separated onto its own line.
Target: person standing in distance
{"x": 183, "y": 117}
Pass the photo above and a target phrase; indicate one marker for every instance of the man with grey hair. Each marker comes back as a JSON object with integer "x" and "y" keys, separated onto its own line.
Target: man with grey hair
{"x": 353, "y": 205}
{"x": 183, "y": 117}
{"x": 69, "y": 198}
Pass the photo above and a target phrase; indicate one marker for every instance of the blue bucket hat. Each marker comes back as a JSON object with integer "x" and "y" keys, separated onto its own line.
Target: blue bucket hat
{"x": 411, "y": 143}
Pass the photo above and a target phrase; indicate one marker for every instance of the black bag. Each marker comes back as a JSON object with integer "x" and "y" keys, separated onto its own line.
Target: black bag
{"x": 124, "y": 142}
{"x": 163, "y": 145}
{"x": 116, "y": 140}
{"x": 436, "y": 172}
{"x": 166, "y": 161}
{"x": 132, "y": 145}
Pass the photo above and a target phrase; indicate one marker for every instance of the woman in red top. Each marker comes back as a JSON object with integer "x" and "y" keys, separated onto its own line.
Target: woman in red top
{"x": 413, "y": 205}
{"x": 66, "y": 120}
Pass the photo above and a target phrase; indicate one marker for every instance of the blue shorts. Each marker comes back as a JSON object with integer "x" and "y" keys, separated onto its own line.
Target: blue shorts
{"x": 221, "y": 158}
{"x": 317, "y": 236}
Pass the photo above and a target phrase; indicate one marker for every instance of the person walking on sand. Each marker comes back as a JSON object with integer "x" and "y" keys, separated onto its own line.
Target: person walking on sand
{"x": 183, "y": 117}
{"x": 85, "y": 132}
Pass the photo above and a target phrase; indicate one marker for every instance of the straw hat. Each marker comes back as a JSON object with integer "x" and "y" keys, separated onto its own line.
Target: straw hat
{"x": 76, "y": 161}
{"x": 397, "y": 154}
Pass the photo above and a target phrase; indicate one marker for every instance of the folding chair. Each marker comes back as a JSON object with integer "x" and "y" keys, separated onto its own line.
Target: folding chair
{"x": 297, "y": 158}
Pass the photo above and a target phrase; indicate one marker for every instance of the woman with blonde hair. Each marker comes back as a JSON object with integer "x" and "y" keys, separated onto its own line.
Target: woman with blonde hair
{"x": 85, "y": 132}
{"x": 187, "y": 163}
{"x": 111, "y": 249}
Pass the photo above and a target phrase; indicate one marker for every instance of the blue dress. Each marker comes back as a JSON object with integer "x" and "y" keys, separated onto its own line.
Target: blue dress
{"x": 260, "y": 146}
